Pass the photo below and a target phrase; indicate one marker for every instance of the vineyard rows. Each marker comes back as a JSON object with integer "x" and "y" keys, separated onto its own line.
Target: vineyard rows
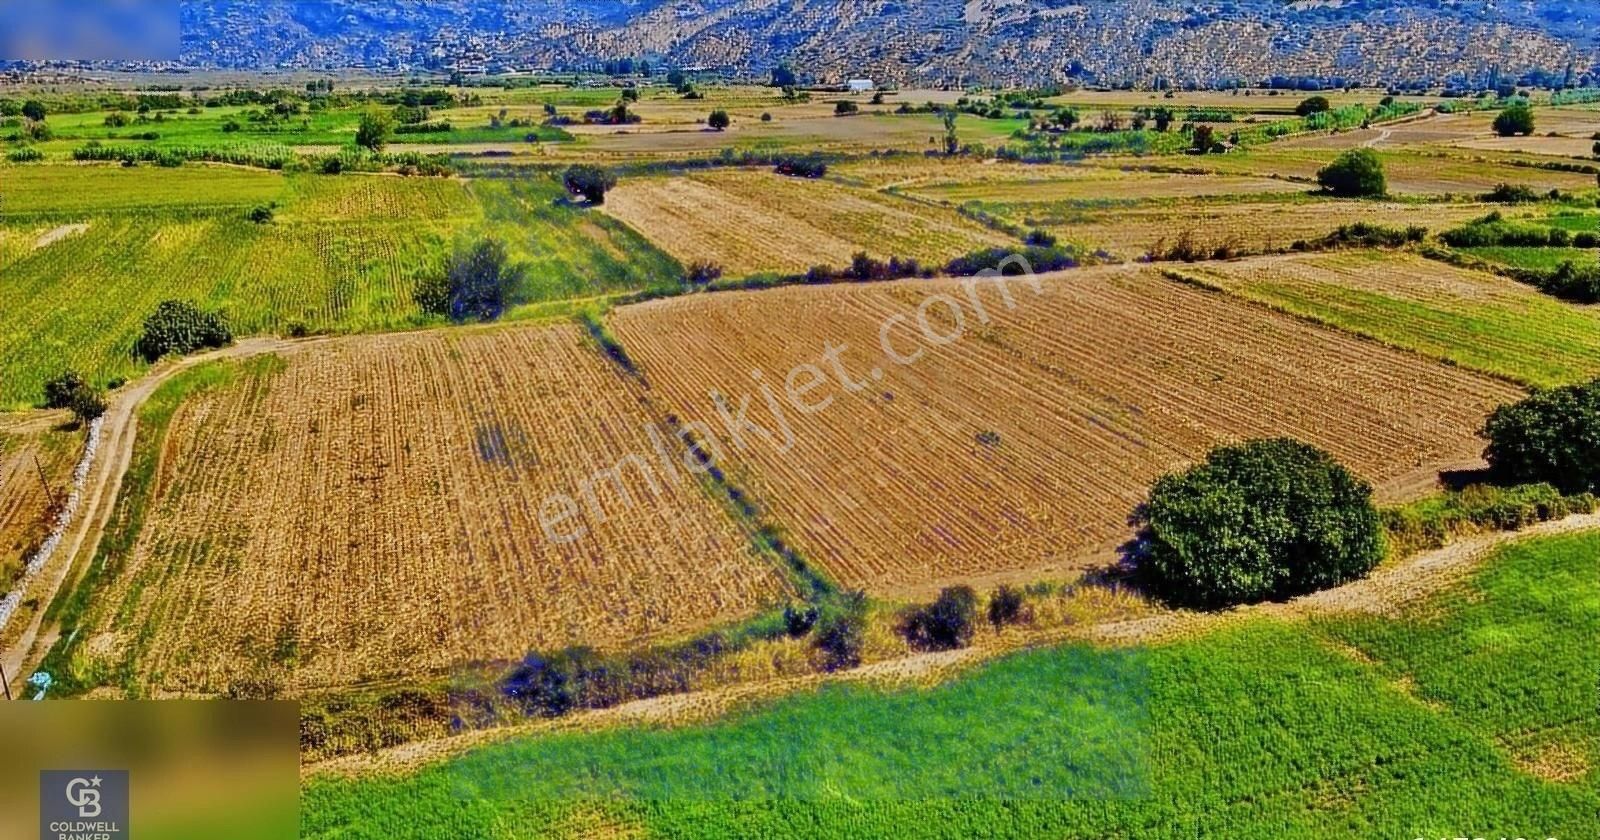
{"x": 1026, "y": 444}
{"x": 372, "y": 509}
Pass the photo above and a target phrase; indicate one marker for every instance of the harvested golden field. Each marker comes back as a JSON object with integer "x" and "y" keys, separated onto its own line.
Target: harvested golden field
{"x": 367, "y": 509}
{"x": 1471, "y": 318}
{"x": 1255, "y": 227}
{"x": 1023, "y": 442}
{"x": 751, "y": 221}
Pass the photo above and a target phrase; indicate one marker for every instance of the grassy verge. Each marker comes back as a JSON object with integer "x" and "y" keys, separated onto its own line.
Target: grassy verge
{"x": 1471, "y": 709}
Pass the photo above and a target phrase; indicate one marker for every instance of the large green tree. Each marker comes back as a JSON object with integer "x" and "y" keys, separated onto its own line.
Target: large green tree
{"x": 1261, "y": 520}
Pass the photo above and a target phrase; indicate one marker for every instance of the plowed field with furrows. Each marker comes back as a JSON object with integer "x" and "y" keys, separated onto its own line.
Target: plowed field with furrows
{"x": 371, "y": 508}
{"x": 1025, "y": 441}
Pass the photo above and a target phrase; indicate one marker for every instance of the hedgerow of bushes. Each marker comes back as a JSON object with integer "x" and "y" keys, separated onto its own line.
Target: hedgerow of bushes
{"x": 180, "y": 328}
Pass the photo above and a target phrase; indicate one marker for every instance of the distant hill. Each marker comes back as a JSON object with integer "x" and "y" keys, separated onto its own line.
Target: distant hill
{"x": 924, "y": 42}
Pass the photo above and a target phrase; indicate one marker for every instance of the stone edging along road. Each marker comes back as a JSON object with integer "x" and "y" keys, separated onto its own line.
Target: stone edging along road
{"x": 98, "y": 496}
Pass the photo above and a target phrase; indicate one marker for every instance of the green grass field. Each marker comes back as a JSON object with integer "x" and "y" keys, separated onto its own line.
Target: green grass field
{"x": 1468, "y": 714}
{"x": 1539, "y": 259}
{"x": 341, "y": 255}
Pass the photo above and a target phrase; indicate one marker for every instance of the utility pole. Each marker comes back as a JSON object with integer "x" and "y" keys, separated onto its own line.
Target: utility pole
{"x": 49, "y": 494}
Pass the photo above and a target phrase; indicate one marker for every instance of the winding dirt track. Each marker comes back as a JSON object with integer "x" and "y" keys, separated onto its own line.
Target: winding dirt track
{"x": 104, "y": 484}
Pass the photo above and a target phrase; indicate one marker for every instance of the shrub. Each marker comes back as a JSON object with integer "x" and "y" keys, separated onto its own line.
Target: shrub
{"x": 719, "y": 120}
{"x": 26, "y": 154}
{"x": 1313, "y": 105}
{"x": 591, "y": 182}
{"x": 1005, "y": 606}
{"x": 1013, "y": 261}
{"x": 332, "y": 165}
{"x": 701, "y": 273}
{"x": 1514, "y": 119}
{"x": 844, "y": 108}
{"x": 767, "y": 117}
{"x": 945, "y": 624}
{"x": 87, "y": 405}
{"x": 58, "y": 391}
{"x": 478, "y": 283}
{"x": 801, "y": 166}
{"x": 798, "y": 620}
{"x": 34, "y": 110}
{"x": 1356, "y": 173}
{"x": 116, "y": 119}
{"x": 1433, "y": 521}
{"x": 1552, "y": 436}
{"x": 374, "y": 130}
{"x": 261, "y": 214}
{"x": 1265, "y": 519}
{"x": 1037, "y": 238}
{"x": 841, "y": 629}
{"x": 1510, "y": 194}
{"x": 180, "y": 327}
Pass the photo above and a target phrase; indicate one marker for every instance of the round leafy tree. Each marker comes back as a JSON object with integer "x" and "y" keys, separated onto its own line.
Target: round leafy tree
{"x": 1357, "y": 173}
{"x": 1262, "y": 520}
{"x": 1313, "y": 105}
{"x": 1513, "y": 120}
{"x": 1552, "y": 436}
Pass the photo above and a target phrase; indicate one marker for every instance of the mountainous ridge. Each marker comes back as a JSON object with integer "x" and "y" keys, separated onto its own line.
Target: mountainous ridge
{"x": 1138, "y": 42}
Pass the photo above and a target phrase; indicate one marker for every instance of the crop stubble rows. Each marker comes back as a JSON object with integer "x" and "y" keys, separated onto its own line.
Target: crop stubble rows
{"x": 371, "y": 510}
{"x": 1094, "y": 387}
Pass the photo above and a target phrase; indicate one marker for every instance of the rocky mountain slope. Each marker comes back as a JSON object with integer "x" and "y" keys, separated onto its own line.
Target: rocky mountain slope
{"x": 922, "y": 41}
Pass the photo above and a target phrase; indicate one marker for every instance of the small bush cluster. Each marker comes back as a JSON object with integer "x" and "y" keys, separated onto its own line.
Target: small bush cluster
{"x": 1433, "y": 522}
{"x": 1495, "y": 230}
{"x": 589, "y": 182}
{"x": 1510, "y": 194}
{"x": 179, "y": 327}
{"x": 801, "y": 166}
{"x": 1011, "y": 261}
{"x": 478, "y": 283}
{"x": 864, "y": 268}
{"x": 1364, "y": 235}
{"x": 71, "y": 391}
{"x": 26, "y": 154}
{"x": 945, "y": 624}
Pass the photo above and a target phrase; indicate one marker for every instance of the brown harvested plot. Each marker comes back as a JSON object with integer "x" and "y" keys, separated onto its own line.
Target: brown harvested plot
{"x": 1246, "y": 227}
{"x": 1113, "y": 186}
{"x": 1025, "y": 443}
{"x": 29, "y": 446}
{"x": 369, "y": 509}
{"x": 762, "y": 221}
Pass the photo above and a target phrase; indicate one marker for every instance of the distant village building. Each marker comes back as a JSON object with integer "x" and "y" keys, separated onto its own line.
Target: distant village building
{"x": 859, "y": 85}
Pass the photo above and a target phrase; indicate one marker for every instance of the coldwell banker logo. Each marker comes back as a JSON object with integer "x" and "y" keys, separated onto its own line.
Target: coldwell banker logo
{"x": 83, "y": 804}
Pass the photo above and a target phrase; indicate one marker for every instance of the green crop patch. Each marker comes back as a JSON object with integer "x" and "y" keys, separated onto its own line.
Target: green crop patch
{"x": 1440, "y": 718}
